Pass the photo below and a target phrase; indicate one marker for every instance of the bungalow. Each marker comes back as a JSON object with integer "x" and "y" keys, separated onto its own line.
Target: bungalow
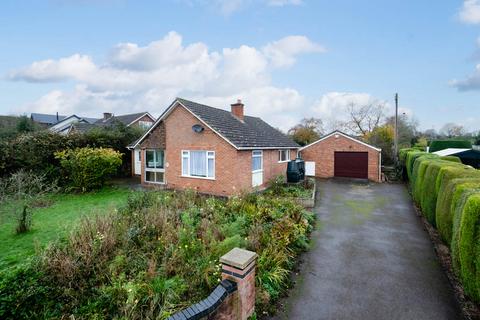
{"x": 210, "y": 150}
{"x": 78, "y": 124}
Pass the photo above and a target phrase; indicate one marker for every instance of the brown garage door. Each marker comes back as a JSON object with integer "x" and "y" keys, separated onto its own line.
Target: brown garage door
{"x": 351, "y": 164}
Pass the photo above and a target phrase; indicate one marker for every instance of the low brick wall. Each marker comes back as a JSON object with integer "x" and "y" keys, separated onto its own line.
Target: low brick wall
{"x": 234, "y": 297}
{"x": 309, "y": 203}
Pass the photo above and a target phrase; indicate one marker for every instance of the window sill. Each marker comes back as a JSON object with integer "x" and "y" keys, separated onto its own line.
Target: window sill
{"x": 257, "y": 171}
{"x": 195, "y": 177}
{"x": 285, "y": 161}
{"x": 152, "y": 182}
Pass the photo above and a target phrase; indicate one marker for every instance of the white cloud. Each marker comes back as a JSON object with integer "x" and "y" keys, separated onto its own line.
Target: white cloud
{"x": 76, "y": 66}
{"x": 472, "y": 82}
{"x": 470, "y": 12}
{"x": 136, "y": 78}
{"x": 282, "y": 53}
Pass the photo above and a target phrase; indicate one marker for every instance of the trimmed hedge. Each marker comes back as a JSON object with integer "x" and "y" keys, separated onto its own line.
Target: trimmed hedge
{"x": 419, "y": 168}
{"x": 469, "y": 246}
{"x": 437, "y": 145}
{"x": 429, "y": 193}
{"x": 448, "y": 193}
{"x": 451, "y": 158}
{"x": 411, "y": 157}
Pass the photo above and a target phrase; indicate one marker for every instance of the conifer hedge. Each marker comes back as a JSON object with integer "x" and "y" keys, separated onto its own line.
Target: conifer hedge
{"x": 448, "y": 194}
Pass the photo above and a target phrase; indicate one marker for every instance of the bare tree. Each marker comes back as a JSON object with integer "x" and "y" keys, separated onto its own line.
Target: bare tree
{"x": 363, "y": 119}
{"x": 452, "y": 130}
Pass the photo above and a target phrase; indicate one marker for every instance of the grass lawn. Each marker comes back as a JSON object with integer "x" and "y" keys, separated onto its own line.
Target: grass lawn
{"x": 53, "y": 222}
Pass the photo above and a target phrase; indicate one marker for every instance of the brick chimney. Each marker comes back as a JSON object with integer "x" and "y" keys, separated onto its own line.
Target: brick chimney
{"x": 237, "y": 109}
{"x": 107, "y": 115}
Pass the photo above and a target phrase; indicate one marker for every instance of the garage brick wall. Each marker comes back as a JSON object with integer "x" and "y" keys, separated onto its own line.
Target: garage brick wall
{"x": 323, "y": 153}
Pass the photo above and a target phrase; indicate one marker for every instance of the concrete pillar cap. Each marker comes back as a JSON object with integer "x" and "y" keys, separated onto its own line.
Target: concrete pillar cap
{"x": 238, "y": 258}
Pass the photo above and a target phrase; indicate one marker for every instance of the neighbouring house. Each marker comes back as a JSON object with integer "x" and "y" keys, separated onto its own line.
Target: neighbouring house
{"x": 46, "y": 120}
{"x": 340, "y": 155}
{"x": 469, "y": 157}
{"x": 63, "y": 126}
{"x": 143, "y": 120}
{"x": 78, "y": 124}
{"x": 210, "y": 150}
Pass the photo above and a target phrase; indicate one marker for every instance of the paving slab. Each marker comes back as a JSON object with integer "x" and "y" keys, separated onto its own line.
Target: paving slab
{"x": 370, "y": 259}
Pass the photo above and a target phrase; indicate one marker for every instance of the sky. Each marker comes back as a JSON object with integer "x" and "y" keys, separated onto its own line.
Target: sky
{"x": 286, "y": 59}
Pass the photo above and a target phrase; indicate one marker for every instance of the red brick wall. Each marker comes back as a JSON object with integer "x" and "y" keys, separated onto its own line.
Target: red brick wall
{"x": 323, "y": 155}
{"x": 233, "y": 171}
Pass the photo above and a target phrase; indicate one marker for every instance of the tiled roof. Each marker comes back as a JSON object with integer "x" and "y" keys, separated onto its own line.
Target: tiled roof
{"x": 46, "y": 118}
{"x": 126, "y": 119}
{"x": 253, "y": 132}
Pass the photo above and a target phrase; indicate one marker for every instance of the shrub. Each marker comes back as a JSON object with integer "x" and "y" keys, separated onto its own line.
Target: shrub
{"x": 445, "y": 208}
{"x": 428, "y": 192}
{"x": 466, "y": 253}
{"x": 453, "y": 172}
{"x": 451, "y": 158}
{"x": 437, "y": 145}
{"x": 88, "y": 168}
{"x": 419, "y": 167}
{"x": 411, "y": 157}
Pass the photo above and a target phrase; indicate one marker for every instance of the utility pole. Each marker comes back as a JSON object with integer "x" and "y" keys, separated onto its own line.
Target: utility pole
{"x": 395, "y": 140}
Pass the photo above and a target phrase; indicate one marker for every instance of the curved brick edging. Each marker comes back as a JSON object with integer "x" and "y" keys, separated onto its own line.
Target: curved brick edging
{"x": 209, "y": 305}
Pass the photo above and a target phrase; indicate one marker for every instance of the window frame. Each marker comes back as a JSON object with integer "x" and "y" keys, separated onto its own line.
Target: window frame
{"x": 259, "y": 155}
{"x": 145, "y": 124}
{"x": 154, "y": 170}
{"x": 209, "y": 155}
{"x": 287, "y": 155}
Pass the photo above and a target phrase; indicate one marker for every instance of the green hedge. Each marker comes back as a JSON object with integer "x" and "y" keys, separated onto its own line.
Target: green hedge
{"x": 444, "y": 144}
{"x": 444, "y": 211}
{"x": 469, "y": 245}
{"x": 448, "y": 193}
{"x": 429, "y": 193}
{"x": 451, "y": 158}
{"x": 419, "y": 168}
{"x": 411, "y": 157}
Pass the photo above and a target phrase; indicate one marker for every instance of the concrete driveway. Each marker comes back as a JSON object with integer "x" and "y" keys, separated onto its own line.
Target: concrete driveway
{"x": 370, "y": 259}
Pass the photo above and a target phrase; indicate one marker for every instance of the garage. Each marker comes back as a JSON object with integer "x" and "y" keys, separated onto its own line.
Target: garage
{"x": 340, "y": 155}
{"x": 351, "y": 164}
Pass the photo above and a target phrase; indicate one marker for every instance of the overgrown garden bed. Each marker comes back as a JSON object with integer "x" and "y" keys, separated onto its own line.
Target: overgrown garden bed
{"x": 302, "y": 192}
{"x": 156, "y": 255}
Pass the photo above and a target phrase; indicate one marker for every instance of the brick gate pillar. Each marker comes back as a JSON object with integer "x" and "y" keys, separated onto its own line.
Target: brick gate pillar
{"x": 238, "y": 265}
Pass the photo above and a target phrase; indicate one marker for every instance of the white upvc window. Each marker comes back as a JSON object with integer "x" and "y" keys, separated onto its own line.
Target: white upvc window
{"x": 283, "y": 155}
{"x": 144, "y": 124}
{"x": 198, "y": 164}
{"x": 155, "y": 166}
{"x": 257, "y": 160}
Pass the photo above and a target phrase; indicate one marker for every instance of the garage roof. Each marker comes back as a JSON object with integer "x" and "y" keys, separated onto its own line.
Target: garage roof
{"x": 449, "y": 151}
{"x": 342, "y": 134}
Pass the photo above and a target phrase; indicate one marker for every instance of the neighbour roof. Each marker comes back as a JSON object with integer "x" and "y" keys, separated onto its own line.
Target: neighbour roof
{"x": 450, "y": 151}
{"x": 342, "y": 134}
{"x": 125, "y": 119}
{"x": 251, "y": 133}
{"x": 82, "y": 127}
{"x": 46, "y": 118}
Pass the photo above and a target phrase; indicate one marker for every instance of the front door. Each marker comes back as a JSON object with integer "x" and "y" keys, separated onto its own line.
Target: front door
{"x": 137, "y": 162}
{"x": 257, "y": 168}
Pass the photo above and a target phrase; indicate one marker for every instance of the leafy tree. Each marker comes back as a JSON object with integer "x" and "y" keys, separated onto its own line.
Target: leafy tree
{"x": 25, "y": 124}
{"x": 307, "y": 131}
{"x": 382, "y": 137}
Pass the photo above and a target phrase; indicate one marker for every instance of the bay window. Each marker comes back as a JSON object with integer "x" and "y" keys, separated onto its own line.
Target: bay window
{"x": 198, "y": 164}
{"x": 155, "y": 166}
